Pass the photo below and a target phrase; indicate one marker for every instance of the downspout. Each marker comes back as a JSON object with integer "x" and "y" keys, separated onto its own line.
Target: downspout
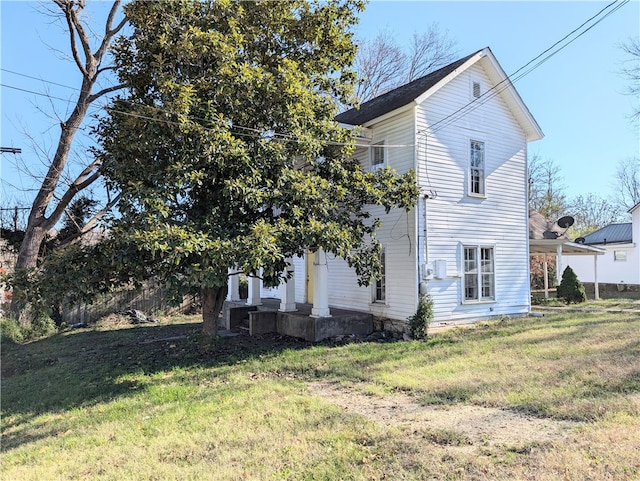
{"x": 421, "y": 214}
{"x": 526, "y": 209}
{"x": 422, "y": 239}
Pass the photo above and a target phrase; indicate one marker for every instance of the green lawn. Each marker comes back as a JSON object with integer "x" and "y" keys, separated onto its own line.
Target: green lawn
{"x": 161, "y": 403}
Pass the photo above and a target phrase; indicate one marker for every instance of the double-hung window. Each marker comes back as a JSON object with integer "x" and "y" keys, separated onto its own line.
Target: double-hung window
{"x": 479, "y": 274}
{"x": 476, "y": 168}
{"x": 377, "y": 156}
{"x": 380, "y": 288}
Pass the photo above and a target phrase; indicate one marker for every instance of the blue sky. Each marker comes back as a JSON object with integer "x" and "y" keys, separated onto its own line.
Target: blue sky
{"x": 577, "y": 96}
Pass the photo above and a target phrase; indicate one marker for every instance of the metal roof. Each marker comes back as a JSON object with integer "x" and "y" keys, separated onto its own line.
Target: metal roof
{"x": 611, "y": 234}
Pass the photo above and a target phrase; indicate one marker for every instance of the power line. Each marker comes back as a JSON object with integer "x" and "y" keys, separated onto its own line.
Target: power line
{"x": 509, "y": 80}
{"x": 34, "y": 92}
{"x": 442, "y": 123}
{"x": 39, "y": 79}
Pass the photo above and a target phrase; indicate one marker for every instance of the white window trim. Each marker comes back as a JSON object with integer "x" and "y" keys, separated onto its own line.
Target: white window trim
{"x": 381, "y": 302}
{"x": 483, "y": 195}
{"x": 378, "y": 143}
{"x": 480, "y": 300}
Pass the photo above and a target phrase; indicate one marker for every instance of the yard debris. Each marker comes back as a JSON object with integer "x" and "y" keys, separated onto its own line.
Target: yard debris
{"x": 138, "y": 317}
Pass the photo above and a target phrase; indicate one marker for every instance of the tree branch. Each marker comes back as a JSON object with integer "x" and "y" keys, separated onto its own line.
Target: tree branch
{"x": 102, "y": 92}
{"x": 108, "y": 31}
{"x": 92, "y": 223}
{"x": 88, "y": 176}
{"x": 67, "y": 9}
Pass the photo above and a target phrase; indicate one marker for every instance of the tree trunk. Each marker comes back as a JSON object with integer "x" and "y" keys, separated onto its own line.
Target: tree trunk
{"x": 39, "y": 224}
{"x": 27, "y": 259}
{"x": 212, "y": 302}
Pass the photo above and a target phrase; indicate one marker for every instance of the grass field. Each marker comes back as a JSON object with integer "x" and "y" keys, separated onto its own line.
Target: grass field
{"x": 553, "y": 398}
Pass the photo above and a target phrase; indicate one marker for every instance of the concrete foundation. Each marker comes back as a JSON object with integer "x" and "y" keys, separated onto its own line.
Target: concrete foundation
{"x": 266, "y": 318}
{"x": 234, "y": 312}
{"x": 262, "y": 322}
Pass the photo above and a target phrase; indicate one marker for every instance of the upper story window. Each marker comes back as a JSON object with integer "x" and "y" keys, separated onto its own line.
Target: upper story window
{"x": 476, "y": 168}
{"x": 377, "y": 154}
{"x": 479, "y": 274}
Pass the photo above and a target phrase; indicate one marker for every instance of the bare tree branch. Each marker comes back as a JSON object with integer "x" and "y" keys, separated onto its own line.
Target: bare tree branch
{"x": 383, "y": 65}
{"x": 71, "y": 19}
{"x": 627, "y": 182}
{"x": 39, "y": 224}
{"x": 105, "y": 91}
{"x": 632, "y": 70}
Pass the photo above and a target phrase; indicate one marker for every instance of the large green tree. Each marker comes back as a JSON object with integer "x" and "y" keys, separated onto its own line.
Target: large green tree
{"x": 225, "y": 148}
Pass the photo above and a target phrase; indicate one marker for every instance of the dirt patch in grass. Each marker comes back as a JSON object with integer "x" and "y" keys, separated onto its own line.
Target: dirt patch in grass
{"x": 461, "y": 426}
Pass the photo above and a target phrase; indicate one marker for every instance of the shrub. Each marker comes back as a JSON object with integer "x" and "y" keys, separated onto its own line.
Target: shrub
{"x": 570, "y": 288}
{"x": 12, "y": 331}
{"x": 419, "y": 322}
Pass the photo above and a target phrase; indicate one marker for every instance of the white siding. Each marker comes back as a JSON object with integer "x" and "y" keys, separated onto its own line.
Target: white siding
{"x": 610, "y": 271}
{"x": 453, "y": 218}
{"x": 397, "y": 234}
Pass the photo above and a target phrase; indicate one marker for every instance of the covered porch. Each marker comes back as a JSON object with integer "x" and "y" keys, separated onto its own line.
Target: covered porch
{"x": 267, "y": 317}
{"x": 313, "y": 321}
{"x": 558, "y": 248}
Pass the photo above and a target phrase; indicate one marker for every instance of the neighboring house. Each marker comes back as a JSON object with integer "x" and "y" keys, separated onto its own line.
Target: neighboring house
{"x": 464, "y": 129}
{"x": 548, "y": 241}
{"x": 620, "y": 265}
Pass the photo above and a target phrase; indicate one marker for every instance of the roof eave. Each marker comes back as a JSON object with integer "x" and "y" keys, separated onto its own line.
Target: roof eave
{"x": 393, "y": 113}
{"x": 512, "y": 98}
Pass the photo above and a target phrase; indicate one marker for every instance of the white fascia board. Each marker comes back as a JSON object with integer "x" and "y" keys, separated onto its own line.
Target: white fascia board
{"x": 511, "y": 97}
{"x": 361, "y": 132}
{"x": 424, "y": 96}
{"x": 399, "y": 110}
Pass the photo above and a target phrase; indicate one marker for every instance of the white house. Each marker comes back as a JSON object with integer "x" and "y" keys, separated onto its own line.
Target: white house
{"x": 620, "y": 265}
{"x": 464, "y": 129}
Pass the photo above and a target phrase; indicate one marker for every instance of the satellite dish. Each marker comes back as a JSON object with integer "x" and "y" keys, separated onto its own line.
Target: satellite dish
{"x": 549, "y": 234}
{"x": 580, "y": 240}
{"x": 565, "y": 222}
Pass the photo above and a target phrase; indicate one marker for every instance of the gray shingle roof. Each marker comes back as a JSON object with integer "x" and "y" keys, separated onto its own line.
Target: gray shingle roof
{"x": 398, "y": 97}
{"x": 610, "y": 234}
{"x": 542, "y": 228}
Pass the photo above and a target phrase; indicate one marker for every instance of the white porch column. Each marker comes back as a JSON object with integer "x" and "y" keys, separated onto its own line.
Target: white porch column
{"x": 253, "y": 299}
{"x": 288, "y": 290}
{"x": 595, "y": 278}
{"x": 320, "y": 286}
{"x": 558, "y": 264}
{"x": 233, "y": 294}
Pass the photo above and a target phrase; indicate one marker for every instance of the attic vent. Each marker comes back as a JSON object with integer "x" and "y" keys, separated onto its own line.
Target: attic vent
{"x": 476, "y": 90}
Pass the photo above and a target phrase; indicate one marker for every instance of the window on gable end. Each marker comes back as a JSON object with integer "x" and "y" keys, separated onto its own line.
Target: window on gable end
{"x": 476, "y": 168}
{"x": 377, "y": 156}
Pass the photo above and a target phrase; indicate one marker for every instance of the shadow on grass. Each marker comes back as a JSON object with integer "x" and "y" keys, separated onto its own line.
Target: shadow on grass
{"x": 85, "y": 367}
